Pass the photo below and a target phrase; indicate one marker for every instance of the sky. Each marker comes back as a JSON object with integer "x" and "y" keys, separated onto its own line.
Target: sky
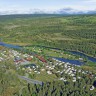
{"x": 27, "y": 6}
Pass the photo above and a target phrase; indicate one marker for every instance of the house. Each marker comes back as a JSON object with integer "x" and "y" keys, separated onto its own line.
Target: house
{"x": 23, "y": 68}
{"x": 58, "y": 72}
{"x": 79, "y": 77}
{"x": 35, "y": 71}
{"x": 38, "y": 72}
{"x": 74, "y": 80}
{"x": 79, "y": 71}
{"x": 49, "y": 72}
{"x": 72, "y": 75}
{"x": 61, "y": 79}
{"x": 28, "y": 58}
{"x": 42, "y": 69}
{"x": 30, "y": 72}
{"x": 41, "y": 58}
{"x": 81, "y": 59}
{"x": 17, "y": 59}
{"x": 92, "y": 88}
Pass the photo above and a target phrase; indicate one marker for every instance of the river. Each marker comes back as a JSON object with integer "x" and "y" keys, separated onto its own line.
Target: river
{"x": 77, "y": 62}
{"x": 92, "y": 59}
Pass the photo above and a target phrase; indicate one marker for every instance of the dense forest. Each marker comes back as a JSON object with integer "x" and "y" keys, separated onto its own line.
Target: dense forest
{"x": 66, "y": 32}
{"x": 11, "y": 85}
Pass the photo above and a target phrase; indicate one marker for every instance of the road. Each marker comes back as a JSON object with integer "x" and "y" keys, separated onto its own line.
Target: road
{"x": 30, "y": 80}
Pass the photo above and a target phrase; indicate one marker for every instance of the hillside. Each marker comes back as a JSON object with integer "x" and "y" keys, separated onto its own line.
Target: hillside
{"x": 66, "y": 32}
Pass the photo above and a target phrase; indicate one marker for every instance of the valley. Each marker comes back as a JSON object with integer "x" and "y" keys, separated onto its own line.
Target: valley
{"x": 40, "y": 53}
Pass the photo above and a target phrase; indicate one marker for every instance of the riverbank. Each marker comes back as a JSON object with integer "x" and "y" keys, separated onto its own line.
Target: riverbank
{"x": 93, "y": 59}
{"x": 73, "y": 52}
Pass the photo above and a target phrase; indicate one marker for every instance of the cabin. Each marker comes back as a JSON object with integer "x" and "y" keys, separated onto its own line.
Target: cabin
{"x": 92, "y": 88}
{"x": 18, "y": 60}
{"x": 30, "y": 66}
{"x": 41, "y": 58}
{"x": 49, "y": 72}
{"x": 28, "y": 58}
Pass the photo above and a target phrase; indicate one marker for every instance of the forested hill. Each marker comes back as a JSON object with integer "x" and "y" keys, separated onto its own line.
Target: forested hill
{"x": 67, "y": 32}
{"x": 15, "y": 16}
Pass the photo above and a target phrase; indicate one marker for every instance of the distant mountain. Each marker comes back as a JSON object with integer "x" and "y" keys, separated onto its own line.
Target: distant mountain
{"x": 91, "y": 12}
{"x": 63, "y": 11}
{"x": 73, "y": 11}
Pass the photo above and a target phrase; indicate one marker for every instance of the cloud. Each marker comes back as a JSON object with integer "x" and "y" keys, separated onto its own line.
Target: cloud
{"x": 67, "y": 10}
{"x": 90, "y": 1}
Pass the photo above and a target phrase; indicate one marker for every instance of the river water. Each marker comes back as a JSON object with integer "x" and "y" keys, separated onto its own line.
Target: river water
{"x": 77, "y": 62}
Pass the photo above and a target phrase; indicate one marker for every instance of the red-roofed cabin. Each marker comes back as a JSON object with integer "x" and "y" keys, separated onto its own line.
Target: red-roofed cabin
{"x": 41, "y": 58}
{"x": 28, "y": 58}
